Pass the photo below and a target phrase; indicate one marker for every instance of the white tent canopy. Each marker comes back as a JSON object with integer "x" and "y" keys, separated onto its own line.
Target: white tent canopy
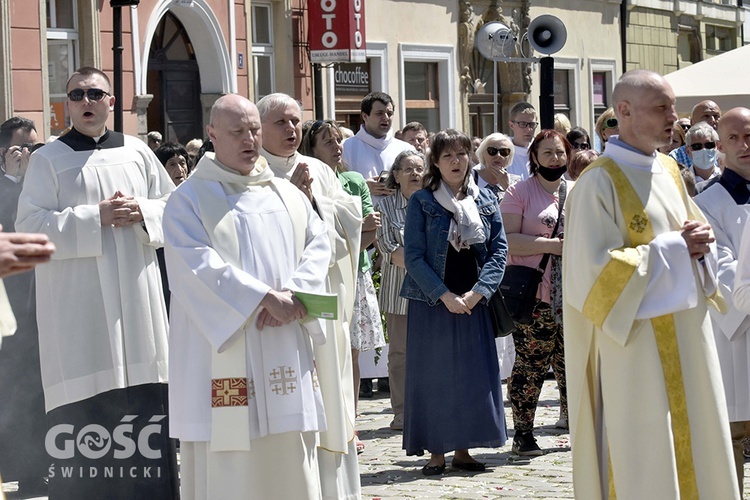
{"x": 724, "y": 79}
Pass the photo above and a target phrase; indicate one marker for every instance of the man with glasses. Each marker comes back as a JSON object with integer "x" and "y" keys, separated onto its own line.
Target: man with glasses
{"x": 22, "y": 417}
{"x": 523, "y": 123}
{"x": 726, "y": 203}
{"x": 700, "y": 144}
{"x": 99, "y": 196}
{"x": 705, "y": 111}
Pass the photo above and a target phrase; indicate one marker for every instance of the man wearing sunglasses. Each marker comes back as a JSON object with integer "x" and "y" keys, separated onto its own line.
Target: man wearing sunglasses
{"x": 523, "y": 123}
{"x": 700, "y": 144}
{"x": 99, "y": 196}
{"x": 726, "y": 203}
{"x": 705, "y": 111}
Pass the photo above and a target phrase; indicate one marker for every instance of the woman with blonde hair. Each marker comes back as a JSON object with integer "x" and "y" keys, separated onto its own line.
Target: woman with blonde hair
{"x": 607, "y": 126}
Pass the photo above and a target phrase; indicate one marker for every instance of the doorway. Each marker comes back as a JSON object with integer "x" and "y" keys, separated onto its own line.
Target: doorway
{"x": 174, "y": 80}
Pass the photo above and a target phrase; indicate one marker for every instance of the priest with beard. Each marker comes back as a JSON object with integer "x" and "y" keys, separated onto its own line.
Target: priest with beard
{"x": 281, "y": 119}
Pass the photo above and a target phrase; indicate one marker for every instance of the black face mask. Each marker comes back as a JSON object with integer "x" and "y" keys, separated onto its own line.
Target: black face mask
{"x": 551, "y": 174}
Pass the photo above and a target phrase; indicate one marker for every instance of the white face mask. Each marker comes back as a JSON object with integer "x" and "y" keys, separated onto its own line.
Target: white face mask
{"x": 705, "y": 158}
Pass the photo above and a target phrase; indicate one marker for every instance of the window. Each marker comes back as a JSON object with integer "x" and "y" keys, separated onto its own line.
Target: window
{"x": 263, "y": 60}
{"x": 422, "y": 93}
{"x": 562, "y": 91}
{"x": 601, "y": 85}
{"x": 62, "y": 57}
{"x": 720, "y": 39}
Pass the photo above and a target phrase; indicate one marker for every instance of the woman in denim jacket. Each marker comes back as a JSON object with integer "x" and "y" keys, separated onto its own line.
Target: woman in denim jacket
{"x": 455, "y": 251}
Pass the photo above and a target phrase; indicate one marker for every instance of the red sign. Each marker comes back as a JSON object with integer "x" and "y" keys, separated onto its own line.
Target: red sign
{"x": 337, "y": 30}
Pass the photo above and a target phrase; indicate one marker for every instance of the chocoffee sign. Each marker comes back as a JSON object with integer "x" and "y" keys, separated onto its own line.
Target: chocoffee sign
{"x": 337, "y": 30}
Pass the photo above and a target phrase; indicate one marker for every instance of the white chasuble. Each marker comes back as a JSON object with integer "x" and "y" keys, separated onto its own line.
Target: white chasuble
{"x": 641, "y": 363}
{"x": 215, "y": 305}
{"x": 342, "y": 214}
{"x": 100, "y": 304}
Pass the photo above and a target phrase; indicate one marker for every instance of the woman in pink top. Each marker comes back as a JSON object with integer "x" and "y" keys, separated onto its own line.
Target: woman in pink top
{"x": 530, "y": 211}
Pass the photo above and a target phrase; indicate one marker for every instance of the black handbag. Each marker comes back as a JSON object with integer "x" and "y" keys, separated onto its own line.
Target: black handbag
{"x": 520, "y": 283}
{"x": 502, "y": 322}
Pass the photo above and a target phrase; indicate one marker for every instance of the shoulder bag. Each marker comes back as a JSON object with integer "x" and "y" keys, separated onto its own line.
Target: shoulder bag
{"x": 520, "y": 283}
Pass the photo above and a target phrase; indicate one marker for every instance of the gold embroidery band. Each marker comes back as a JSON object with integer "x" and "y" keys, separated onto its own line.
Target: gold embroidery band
{"x": 666, "y": 341}
{"x": 639, "y": 225}
{"x": 228, "y": 392}
{"x": 610, "y": 284}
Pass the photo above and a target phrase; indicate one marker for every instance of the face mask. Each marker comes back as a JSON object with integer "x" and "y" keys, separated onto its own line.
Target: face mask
{"x": 551, "y": 174}
{"x": 705, "y": 158}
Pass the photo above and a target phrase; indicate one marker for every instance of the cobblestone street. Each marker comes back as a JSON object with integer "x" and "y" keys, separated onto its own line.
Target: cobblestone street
{"x": 387, "y": 473}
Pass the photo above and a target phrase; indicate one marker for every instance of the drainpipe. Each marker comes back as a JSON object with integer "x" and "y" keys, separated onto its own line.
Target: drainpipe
{"x": 623, "y": 34}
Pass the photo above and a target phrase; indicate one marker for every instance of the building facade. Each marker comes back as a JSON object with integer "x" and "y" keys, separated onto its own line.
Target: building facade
{"x": 179, "y": 56}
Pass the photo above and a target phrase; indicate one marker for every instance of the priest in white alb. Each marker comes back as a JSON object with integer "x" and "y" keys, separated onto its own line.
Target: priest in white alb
{"x": 244, "y": 396}
{"x": 99, "y": 196}
{"x": 648, "y": 417}
{"x": 281, "y": 117}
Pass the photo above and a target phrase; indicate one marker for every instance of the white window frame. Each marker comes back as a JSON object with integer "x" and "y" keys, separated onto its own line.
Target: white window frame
{"x": 600, "y": 66}
{"x": 444, "y": 56}
{"x": 69, "y": 37}
{"x": 263, "y": 49}
{"x": 573, "y": 67}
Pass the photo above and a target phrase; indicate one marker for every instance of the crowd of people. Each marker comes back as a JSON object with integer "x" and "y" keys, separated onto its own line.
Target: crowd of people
{"x": 215, "y": 297}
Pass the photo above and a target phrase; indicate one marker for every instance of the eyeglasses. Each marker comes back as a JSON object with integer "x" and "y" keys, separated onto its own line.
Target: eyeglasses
{"x": 525, "y": 124}
{"x": 611, "y": 123}
{"x": 493, "y": 151}
{"x": 698, "y": 146}
{"x": 411, "y": 170}
{"x": 76, "y": 95}
{"x": 583, "y": 146}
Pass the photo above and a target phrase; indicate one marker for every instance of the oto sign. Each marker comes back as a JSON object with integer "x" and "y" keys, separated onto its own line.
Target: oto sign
{"x": 337, "y": 30}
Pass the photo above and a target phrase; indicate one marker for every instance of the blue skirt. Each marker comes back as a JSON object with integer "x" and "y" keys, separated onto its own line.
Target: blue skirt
{"x": 453, "y": 395}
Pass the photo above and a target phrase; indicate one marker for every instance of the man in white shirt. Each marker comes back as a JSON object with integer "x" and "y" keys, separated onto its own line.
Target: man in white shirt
{"x": 281, "y": 119}
{"x": 99, "y": 196}
{"x": 523, "y": 123}
{"x": 244, "y": 395}
{"x": 373, "y": 148}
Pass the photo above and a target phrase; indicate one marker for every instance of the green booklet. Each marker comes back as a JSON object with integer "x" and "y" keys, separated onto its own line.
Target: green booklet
{"x": 319, "y": 305}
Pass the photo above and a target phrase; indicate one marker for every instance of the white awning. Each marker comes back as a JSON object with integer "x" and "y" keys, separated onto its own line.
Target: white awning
{"x": 724, "y": 79}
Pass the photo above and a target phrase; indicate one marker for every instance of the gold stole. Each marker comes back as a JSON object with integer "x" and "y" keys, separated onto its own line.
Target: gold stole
{"x": 230, "y": 430}
{"x": 641, "y": 232}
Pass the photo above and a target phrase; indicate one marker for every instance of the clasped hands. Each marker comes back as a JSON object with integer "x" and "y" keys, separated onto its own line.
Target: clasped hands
{"x": 279, "y": 308}
{"x": 698, "y": 237}
{"x": 461, "y": 304}
{"x": 119, "y": 210}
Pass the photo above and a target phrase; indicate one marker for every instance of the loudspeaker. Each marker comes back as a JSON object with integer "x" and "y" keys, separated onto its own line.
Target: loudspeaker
{"x": 495, "y": 41}
{"x": 547, "y": 34}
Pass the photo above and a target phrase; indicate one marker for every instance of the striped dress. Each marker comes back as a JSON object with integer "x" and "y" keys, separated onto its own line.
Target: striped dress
{"x": 390, "y": 237}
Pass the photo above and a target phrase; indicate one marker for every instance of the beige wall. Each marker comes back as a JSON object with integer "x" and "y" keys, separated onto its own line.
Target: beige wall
{"x": 652, "y": 40}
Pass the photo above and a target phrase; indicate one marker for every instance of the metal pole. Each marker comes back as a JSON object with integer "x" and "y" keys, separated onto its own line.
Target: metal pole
{"x": 547, "y": 92}
{"x": 117, "y": 55}
{"x": 494, "y": 101}
{"x": 318, "y": 90}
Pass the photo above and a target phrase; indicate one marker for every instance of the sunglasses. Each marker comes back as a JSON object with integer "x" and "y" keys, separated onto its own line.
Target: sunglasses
{"x": 76, "y": 95}
{"x": 611, "y": 123}
{"x": 525, "y": 124}
{"x": 698, "y": 146}
{"x": 493, "y": 151}
{"x": 685, "y": 126}
{"x": 581, "y": 145}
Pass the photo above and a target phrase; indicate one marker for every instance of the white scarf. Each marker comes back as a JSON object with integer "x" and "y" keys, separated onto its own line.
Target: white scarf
{"x": 378, "y": 143}
{"x": 466, "y": 226}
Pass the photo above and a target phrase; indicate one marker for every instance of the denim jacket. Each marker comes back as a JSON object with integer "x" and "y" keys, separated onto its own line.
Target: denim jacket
{"x": 426, "y": 247}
